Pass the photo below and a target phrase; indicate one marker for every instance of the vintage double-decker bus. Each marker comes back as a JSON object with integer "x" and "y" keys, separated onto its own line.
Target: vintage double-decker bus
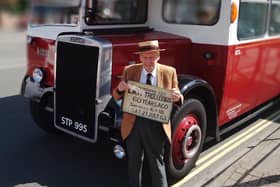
{"x": 226, "y": 53}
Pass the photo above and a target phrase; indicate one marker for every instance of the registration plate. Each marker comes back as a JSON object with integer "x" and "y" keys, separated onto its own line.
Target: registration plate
{"x": 80, "y": 127}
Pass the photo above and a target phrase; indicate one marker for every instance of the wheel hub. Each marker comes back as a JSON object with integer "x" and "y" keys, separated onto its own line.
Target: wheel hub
{"x": 187, "y": 140}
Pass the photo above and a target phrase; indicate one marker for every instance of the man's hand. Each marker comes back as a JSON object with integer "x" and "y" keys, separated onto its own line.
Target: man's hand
{"x": 176, "y": 95}
{"x": 123, "y": 86}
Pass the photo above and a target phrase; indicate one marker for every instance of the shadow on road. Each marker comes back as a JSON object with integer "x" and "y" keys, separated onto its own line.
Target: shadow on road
{"x": 29, "y": 155}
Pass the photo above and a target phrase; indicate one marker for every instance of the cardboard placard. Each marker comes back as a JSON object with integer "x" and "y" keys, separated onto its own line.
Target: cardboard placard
{"x": 148, "y": 101}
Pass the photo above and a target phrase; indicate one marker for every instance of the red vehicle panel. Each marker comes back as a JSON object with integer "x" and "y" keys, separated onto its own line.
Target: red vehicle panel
{"x": 40, "y": 53}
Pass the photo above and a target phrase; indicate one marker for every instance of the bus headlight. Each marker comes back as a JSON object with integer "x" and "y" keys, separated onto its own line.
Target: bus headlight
{"x": 119, "y": 151}
{"x": 37, "y": 75}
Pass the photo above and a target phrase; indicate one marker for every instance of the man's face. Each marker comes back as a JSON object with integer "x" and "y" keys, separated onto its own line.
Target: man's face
{"x": 149, "y": 60}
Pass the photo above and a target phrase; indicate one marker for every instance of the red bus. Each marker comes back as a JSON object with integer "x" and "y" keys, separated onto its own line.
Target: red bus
{"x": 226, "y": 53}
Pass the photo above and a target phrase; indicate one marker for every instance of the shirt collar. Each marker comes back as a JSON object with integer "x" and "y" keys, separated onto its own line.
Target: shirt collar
{"x": 154, "y": 72}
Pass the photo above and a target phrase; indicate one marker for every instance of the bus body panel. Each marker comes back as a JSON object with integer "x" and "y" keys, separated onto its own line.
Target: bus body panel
{"x": 252, "y": 76}
{"x": 269, "y": 82}
{"x": 41, "y": 53}
{"x": 212, "y": 70}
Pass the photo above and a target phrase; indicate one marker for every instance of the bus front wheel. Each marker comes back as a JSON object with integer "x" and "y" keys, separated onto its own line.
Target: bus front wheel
{"x": 42, "y": 117}
{"x": 188, "y": 134}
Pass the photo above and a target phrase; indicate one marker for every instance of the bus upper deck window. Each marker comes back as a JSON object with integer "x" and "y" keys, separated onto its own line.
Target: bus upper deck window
{"x": 51, "y": 12}
{"x": 191, "y": 12}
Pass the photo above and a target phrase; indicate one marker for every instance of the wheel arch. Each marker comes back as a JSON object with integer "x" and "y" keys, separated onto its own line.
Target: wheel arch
{"x": 195, "y": 87}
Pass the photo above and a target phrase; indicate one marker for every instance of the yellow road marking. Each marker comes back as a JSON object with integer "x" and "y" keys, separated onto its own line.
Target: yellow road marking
{"x": 229, "y": 146}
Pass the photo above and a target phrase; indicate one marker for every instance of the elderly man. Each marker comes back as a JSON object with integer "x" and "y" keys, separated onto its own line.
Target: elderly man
{"x": 145, "y": 136}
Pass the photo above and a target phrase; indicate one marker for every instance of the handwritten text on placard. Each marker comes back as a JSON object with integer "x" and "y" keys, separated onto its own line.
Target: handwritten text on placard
{"x": 148, "y": 101}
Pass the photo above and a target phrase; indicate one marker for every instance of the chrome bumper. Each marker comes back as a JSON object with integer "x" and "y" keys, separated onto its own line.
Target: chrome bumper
{"x": 34, "y": 91}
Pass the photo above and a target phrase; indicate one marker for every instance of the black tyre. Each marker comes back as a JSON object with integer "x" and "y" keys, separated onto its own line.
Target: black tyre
{"x": 42, "y": 117}
{"x": 188, "y": 134}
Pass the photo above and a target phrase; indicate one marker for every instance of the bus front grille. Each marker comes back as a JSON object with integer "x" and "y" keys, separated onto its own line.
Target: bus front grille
{"x": 75, "y": 89}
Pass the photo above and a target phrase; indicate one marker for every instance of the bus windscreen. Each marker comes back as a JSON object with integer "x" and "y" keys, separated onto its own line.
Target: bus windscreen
{"x": 55, "y": 12}
{"x": 102, "y": 12}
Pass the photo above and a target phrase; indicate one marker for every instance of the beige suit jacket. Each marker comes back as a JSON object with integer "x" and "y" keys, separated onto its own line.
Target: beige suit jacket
{"x": 166, "y": 78}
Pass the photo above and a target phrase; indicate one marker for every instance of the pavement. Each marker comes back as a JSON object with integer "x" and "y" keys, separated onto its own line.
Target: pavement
{"x": 260, "y": 166}
{"x": 246, "y": 158}
{"x": 12, "y": 62}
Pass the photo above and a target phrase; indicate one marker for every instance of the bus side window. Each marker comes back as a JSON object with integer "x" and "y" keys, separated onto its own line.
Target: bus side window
{"x": 252, "y": 20}
{"x": 274, "y": 25}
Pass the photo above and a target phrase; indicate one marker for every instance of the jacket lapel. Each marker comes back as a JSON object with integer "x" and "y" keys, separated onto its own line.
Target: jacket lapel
{"x": 159, "y": 76}
{"x": 138, "y": 73}
{"x": 135, "y": 74}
